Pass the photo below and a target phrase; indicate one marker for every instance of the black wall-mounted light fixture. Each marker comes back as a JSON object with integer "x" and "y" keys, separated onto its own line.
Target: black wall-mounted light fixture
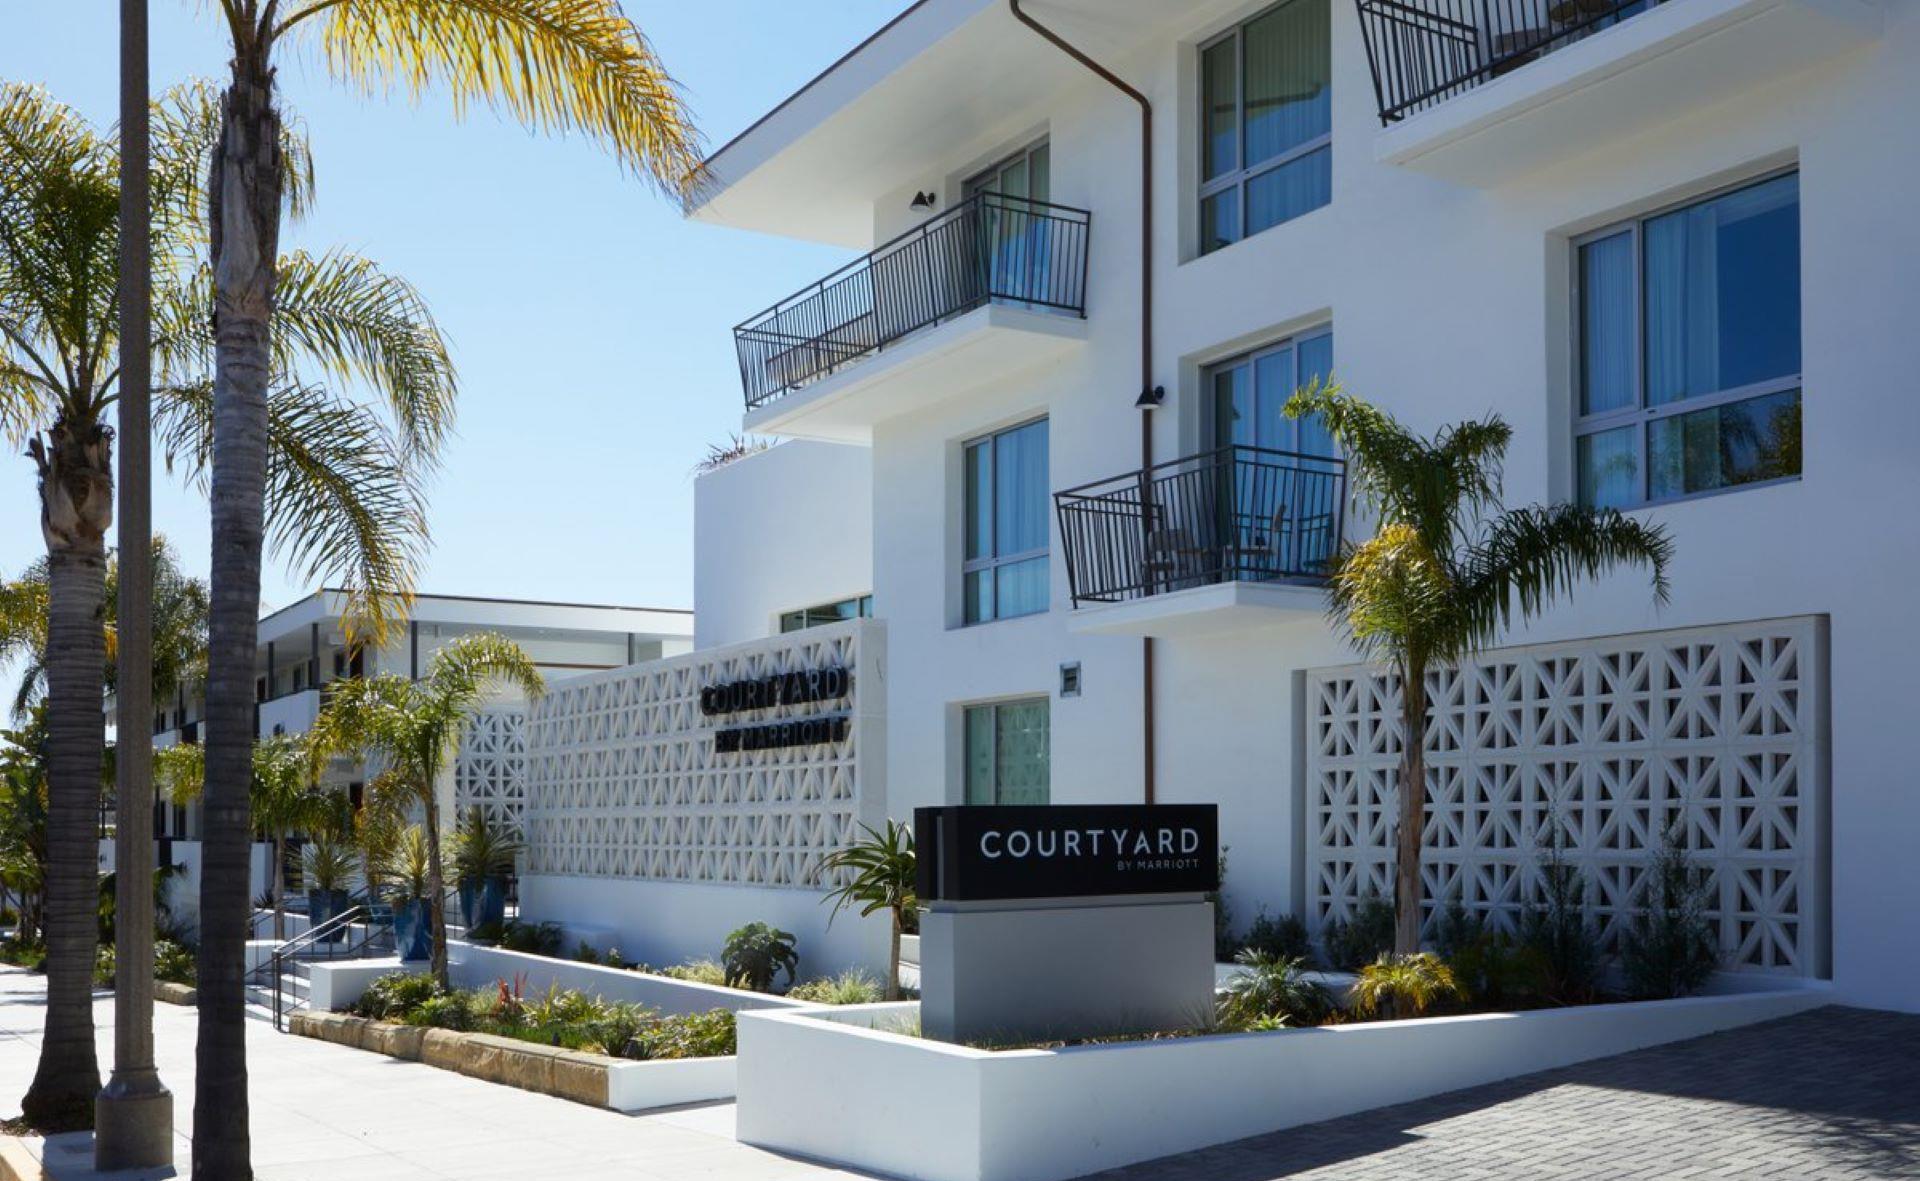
{"x": 1150, "y": 399}
{"x": 924, "y": 201}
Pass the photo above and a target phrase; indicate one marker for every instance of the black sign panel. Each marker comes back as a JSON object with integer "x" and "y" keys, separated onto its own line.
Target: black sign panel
{"x": 977, "y": 853}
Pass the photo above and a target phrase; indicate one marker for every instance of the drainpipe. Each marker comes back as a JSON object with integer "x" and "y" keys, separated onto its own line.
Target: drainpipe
{"x": 1150, "y": 394}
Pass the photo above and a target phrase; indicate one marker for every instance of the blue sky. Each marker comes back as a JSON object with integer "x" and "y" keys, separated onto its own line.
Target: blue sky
{"x": 590, "y": 323}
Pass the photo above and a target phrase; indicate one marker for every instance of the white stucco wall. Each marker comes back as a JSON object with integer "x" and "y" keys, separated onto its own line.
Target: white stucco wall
{"x": 1447, "y": 301}
{"x": 777, "y": 531}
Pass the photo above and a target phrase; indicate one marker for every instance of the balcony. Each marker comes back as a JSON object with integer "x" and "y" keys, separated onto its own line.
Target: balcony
{"x": 1479, "y": 91}
{"x": 1203, "y": 544}
{"x": 990, "y": 286}
{"x": 289, "y": 713}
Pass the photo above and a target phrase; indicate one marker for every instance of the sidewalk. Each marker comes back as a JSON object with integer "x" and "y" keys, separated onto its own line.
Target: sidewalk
{"x": 320, "y": 1110}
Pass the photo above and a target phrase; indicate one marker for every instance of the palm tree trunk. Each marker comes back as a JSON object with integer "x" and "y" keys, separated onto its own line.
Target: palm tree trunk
{"x": 1413, "y": 807}
{"x": 436, "y": 888}
{"x": 76, "y": 496}
{"x": 245, "y": 215}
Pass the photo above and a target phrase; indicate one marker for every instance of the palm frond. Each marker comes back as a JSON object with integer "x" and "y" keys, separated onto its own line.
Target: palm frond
{"x": 554, "y": 65}
{"x": 59, "y": 260}
{"x": 342, "y": 506}
{"x": 351, "y": 320}
{"x": 1530, "y": 556}
{"x": 461, "y": 673}
{"x": 1393, "y": 594}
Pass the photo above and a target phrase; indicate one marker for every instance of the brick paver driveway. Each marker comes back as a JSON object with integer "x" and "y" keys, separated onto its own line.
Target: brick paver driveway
{"x": 1830, "y": 1094}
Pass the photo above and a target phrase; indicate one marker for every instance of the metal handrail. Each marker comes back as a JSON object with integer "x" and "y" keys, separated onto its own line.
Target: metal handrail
{"x": 990, "y": 247}
{"x": 1423, "y": 52}
{"x": 1233, "y": 514}
{"x": 306, "y": 942}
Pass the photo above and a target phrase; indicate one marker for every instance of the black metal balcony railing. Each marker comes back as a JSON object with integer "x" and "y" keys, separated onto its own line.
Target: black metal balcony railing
{"x": 1424, "y": 52}
{"x": 1238, "y": 514}
{"x": 989, "y": 248}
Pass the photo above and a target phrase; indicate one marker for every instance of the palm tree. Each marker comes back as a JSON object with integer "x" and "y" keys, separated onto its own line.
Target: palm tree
{"x": 284, "y": 796}
{"x": 180, "y": 608}
{"x": 411, "y": 730}
{"x": 342, "y": 490}
{"x": 881, "y": 876}
{"x": 1447, "y": 569}
{"x": 555, "y": 65}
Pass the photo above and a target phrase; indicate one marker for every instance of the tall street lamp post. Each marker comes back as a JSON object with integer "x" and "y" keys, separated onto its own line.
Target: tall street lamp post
{"x": 133, "y": 1118}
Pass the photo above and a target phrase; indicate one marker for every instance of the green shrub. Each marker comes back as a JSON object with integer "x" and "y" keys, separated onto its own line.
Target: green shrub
{"x": 755, "y": 954}
{"x": 1352, "y": 944}
{"x": 693, "y": 1035}
{"x": 1671, "y": 948}
{"x": 697, "y": 971}
{"x": 585, "y": 954}
{"x": 24, "y": 954}
{"x": 485, "y": 933}
{"x": 174, "y": 963}
{"x": 103, "y": 966}
{"x": 1557, "y": 930}
{"x": 393, "y": 996}
{"x": 447, "y": 1010}
{"x": 537, "y": 938}
{"x": 1268, "y": 991}
{"x": 1395, "y": 987}
{"x": 1280, "y": 938}
{"x": 851, "y": 987}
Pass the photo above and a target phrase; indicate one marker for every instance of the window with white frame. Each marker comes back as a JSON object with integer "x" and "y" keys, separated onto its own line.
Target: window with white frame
{"x": 1007, "y": 752}
{"x": 1004, "y": 572}
{"x": 859, "y": 607}
{"x": 1266, "y": 122}
{"x": 1688, "y": 360}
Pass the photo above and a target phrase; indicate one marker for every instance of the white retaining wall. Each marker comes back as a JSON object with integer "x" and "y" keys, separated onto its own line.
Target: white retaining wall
{"x": 335, "y": 986}
{"x": 835, "y": 1085}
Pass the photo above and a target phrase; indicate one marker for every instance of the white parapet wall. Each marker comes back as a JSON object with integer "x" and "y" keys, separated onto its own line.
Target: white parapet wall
{"x": 648, "y": 831}
{"x": 857, "y": 1087}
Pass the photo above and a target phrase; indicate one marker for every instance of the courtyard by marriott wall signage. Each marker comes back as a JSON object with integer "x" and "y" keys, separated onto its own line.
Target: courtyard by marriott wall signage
{"x": 980, "y": 853}
{"x": 794, "y": 688}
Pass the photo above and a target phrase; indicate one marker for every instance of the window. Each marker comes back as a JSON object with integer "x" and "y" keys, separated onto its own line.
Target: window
{"x": 1249, "y": 391}
{"x": 1005, "y": 568}
{"x": 1007, "y": 752}
{"x": 1688, "y": 374}
{"x": 806, "y": 617}
{"x": 1266, "y": 151}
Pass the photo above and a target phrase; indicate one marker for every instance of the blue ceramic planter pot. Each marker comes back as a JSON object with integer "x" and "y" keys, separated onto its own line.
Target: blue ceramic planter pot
{"x": 413, "y": 929}
{"x": 325, "y": 904}
{"x": 484, "y": 902}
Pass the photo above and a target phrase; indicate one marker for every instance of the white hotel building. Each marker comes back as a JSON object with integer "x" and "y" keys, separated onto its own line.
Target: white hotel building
{"x": 1666, "y": 242}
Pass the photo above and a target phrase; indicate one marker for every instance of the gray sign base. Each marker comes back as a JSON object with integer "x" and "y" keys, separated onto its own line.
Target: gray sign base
{"x": 1060, "y": 969}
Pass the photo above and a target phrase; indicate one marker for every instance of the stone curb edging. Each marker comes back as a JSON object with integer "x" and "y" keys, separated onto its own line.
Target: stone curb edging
{"x": 16, "y": 1163}
{"x": 175, "y": 994}
{"x": 549, "y": 1070}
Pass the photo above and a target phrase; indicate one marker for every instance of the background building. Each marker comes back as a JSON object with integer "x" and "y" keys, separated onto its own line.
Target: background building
{"x": 303, "y": 650}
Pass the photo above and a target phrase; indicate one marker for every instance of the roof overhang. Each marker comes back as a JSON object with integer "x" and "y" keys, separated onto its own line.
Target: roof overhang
{"x": 897, "y": 110}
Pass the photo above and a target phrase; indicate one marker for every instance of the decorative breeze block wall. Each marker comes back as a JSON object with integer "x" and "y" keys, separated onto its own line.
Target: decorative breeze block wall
{"x": 1720, "y": 730}
{"x": 490, "y": 766}
{"x": 624, "y": 781}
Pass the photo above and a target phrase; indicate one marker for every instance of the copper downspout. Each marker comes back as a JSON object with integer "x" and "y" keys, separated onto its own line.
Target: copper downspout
{"x": 1149, "y": 395}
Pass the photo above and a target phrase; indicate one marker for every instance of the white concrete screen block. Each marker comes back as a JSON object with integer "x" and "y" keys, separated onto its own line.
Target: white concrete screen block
{"x": 640, "y": 826}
